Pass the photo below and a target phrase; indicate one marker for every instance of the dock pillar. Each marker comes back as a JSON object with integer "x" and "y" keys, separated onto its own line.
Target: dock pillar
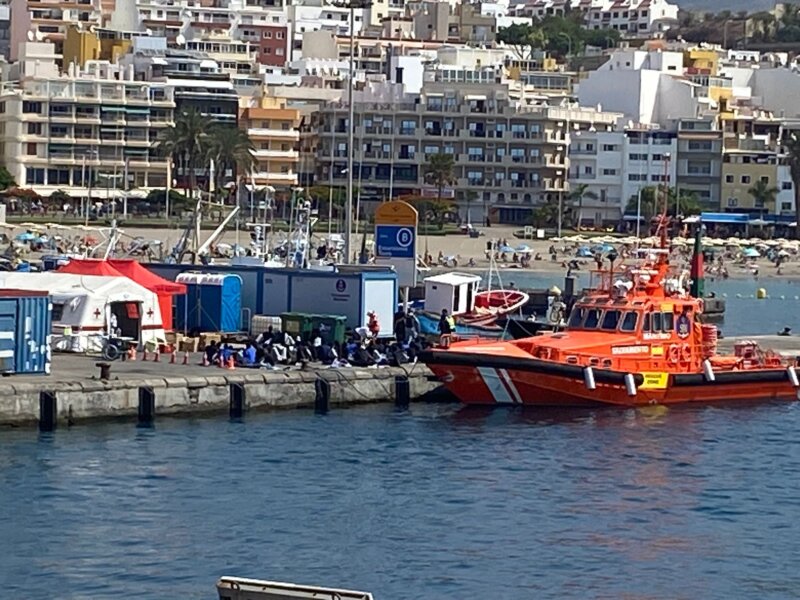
{"x": 322, "y": 389}
{"x": 238, "y": 398}
{"x": 402, "y": 391}
{"x": 48, "y": 411}
{"x": 147, "y": 406}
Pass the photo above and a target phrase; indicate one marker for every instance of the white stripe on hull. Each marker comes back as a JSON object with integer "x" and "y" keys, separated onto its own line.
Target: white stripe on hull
{"x": 499, "y": 384}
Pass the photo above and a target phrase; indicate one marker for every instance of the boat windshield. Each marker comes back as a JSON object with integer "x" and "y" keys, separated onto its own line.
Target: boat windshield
{"x": 592, "y": 318}
{"x": 629, "y": 321}
{"x": 610, "y": 320}
{"x": 576, "y": 318}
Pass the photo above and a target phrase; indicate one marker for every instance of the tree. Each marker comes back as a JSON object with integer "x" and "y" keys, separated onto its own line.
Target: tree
{"x": 763, "y": 194}
{"x": 791, "y": 146}
{"x": 439, "y": 172}
{"x": 649, "y": 203}
{"x": 158, "y": 198}
{"x": 685, "y": 203}
{"x": 602, "y": 38}
{"x": 6, "y": 179}
{"x": 231, "y": 150}
{"x": 523, "y": 38}
{"x": 186, "y": 144}
{"x": 577, "y": 195}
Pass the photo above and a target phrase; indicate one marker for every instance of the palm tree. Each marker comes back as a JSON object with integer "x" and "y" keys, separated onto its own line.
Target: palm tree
{"x": 439, "y": 172}
{"x": 231, "y": 150}
{"x": 186, "y": 144}
{"x": 577, "y": 195}
{"x": 682, "y": 203}
{"x": 763, "y": 195}
{"x": 791, "y": 146}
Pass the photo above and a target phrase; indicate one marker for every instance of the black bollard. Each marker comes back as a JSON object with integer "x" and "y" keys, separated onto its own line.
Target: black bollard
{"x": 322, "y": 387}
{"x": 105, "y": 370}
{"x": 569, "y": 287}
{"x": 48, "y": 411}
{"x": 147, "y": 405}
{"x": 402, "y": 391}
{"x": 237, "y": 400}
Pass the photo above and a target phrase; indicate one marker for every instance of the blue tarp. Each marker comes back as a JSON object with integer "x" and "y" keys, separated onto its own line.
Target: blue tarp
{"x": 729, "y": 218}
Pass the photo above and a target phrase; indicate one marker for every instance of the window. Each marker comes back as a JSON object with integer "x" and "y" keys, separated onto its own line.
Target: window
{"x": 590, "y": 147}
{"x": 646, "y": 323}
{"x": 765, "y": 179}
{"x": 32, "y": 107}
{"x": 745, "y": 178}
{"x": 31, "y": 150}
{"x": 58, "y": 312}
{"x": 588, "y": 170}
{"x": 728, "y": 178}
{"x": 637, "y": 156}
{"x": 733, "y": 202}
{"x": 279, "y": 35}
{"x": 266, "y": 50}
{"x": 34, "y": 128}
{"x": 610, "y": 320}
{"x": 786, "y": 185}
{"x": 279, "y": 51}
{"x": 576, "y": 318}
{"x": 267, "y": 35}
{"x": 637, "y": 177}
{"x": 658, "y": 157}
{"x": 609, "y": 148}
{"x": 609, "y": 171}
{"x": 786, "y": 206}
{"x": 667, "y": 322}
{"x": 592, "y": 318}
{"x": 629, "y": 321}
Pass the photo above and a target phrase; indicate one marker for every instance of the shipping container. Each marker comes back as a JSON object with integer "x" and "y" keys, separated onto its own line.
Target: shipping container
{"x": 25, "y": 323}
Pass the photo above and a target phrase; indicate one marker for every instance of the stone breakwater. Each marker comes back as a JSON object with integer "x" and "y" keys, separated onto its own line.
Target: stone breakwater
{"x": 57, "y": 401}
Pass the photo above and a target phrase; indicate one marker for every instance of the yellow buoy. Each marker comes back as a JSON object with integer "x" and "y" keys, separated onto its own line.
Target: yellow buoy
{"x": 761, "y": 293}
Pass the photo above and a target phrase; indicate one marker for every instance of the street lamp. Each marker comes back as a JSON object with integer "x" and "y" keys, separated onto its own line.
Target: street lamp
{"x": 352, "y": 5}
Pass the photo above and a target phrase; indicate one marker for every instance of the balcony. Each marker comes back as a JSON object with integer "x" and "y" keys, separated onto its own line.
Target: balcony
{"x": 582, "y": 152}
{"x": 283, "y": 154}
{"x": 256, "y": 132}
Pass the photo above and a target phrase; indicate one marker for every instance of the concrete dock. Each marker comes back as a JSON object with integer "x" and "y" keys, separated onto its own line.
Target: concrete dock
{"x": 179, "y": 389}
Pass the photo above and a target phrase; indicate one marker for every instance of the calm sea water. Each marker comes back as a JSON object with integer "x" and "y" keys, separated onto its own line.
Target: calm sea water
{"x": 437, "y": 502}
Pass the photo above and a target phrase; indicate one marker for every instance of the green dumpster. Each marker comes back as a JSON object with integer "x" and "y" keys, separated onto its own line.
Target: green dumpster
{"x": 297, "y": 324}
{"x": 331, "y": 327}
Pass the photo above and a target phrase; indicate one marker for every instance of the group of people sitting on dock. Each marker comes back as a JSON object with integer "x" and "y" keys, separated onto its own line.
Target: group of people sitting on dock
{"x": 279, "y": 350}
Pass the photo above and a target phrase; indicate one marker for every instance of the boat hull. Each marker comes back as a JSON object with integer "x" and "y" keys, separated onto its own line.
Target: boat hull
{"x": 496, "y": 381}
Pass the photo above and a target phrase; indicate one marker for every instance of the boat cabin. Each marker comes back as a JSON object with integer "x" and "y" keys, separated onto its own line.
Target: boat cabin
{"x": 454, "y": 292}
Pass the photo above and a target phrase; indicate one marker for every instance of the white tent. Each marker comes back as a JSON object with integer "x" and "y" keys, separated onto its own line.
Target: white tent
{"x": 83, "y": 306}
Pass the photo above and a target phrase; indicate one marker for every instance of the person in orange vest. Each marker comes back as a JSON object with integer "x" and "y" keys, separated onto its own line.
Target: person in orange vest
{"x": 372, "y": 324}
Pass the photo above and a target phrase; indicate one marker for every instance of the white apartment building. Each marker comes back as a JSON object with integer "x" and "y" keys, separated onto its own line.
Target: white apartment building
{"x": 94, "y": 129}
{"x": 630, "y": 17}
{"x": 616, "y": 164}
{"x": 646, "y": 87}
{"x": 316, "y": 15}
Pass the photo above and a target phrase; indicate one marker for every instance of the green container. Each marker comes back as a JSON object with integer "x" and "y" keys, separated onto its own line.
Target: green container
{"x": 331, "y": 327}
{"x": 297, "y": 324}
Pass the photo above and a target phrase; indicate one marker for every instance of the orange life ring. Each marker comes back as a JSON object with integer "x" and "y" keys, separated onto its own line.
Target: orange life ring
{"x": 686, "y": 353}
{"x": 674, "y": 354}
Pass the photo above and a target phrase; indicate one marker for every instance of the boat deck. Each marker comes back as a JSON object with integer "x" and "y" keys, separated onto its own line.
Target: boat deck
{"x": 787, "y": 346}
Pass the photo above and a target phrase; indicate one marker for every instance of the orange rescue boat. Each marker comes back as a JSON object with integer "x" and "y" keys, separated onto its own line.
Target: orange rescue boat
{"x": 637, "y": 339}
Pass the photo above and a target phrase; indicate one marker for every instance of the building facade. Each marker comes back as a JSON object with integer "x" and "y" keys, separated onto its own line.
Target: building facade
{"x": 274, "y": 131}
{"x": 700, "y": 161}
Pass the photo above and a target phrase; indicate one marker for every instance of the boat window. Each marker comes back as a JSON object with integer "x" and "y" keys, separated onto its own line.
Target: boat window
{"x": 646, "y": 323}
{"x": 656, "y": 322}
{"x": 629, "y": 321}
{"x": 668, "y": 322}
{"x": 592, "y": 318}
{"x": 576, "y": 318}
{"x": 610, "y": 320}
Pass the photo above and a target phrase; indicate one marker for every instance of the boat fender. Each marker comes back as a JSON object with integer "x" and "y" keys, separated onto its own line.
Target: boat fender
{"x": 588, "y": 378}
{"x": 630, "y": 384}
{"x": 708, "y": 371}
{"x": 793, "y": 376}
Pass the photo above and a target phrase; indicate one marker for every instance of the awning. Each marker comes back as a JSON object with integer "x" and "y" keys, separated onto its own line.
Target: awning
{"x": 112, "y": 108}
{"x": 137, "y": 111}
{"x": 729, "y": 218}
{"x": 469, "y": 97}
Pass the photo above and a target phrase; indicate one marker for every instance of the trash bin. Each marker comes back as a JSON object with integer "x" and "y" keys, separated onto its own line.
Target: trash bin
{"x": 297, "y": 324}
{"x": 331, "y": 327}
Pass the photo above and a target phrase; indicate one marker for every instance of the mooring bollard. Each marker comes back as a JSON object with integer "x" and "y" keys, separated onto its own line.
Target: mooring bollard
{"x": 105, "y": 370}
{"x": 402, "y": 391}
{"x": 322, "y": 387}
{"x": 237, "y": 405}
{"x": 147, "y": 405}
{"x": 48, "y": 411}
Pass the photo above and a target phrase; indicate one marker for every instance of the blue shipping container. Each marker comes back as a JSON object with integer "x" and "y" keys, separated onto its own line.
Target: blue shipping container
{"x": 213, "y": 303}
{"x": 25, "y": 323}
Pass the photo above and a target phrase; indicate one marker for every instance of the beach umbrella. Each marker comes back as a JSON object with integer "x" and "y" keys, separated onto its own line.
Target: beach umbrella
{"x": 523, "y": 249}
{"x": 783, "y": 253}
{"x": 505, "y": 249}
{"x": 25, "y": 237}
{"x": 584, "y": 252}
{"x": 751, "y": 253}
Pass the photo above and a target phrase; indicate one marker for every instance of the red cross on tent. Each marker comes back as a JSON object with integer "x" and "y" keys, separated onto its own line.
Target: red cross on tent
{"x": 150, "y": 312}
{"x": 97, "y": 313}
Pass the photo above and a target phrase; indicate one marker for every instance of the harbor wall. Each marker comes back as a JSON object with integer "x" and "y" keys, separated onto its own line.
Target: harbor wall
{"x": 24, "y": 403}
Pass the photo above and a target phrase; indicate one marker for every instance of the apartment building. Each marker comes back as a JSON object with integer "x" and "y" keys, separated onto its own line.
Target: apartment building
{"x": 274, "y": 130}
{"x": 47, "y": 20}
{"x": 632, "y": 18}
{"x": 615, "y": 165}
{"x": 700, "y": 160}
{"x": 751, "y": 152}
{"x": 85, "y": 131}
{"x": 510, "y": 154}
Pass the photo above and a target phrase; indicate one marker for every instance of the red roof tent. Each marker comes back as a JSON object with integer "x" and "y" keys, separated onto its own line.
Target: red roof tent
{"x": 163, "y": 288}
